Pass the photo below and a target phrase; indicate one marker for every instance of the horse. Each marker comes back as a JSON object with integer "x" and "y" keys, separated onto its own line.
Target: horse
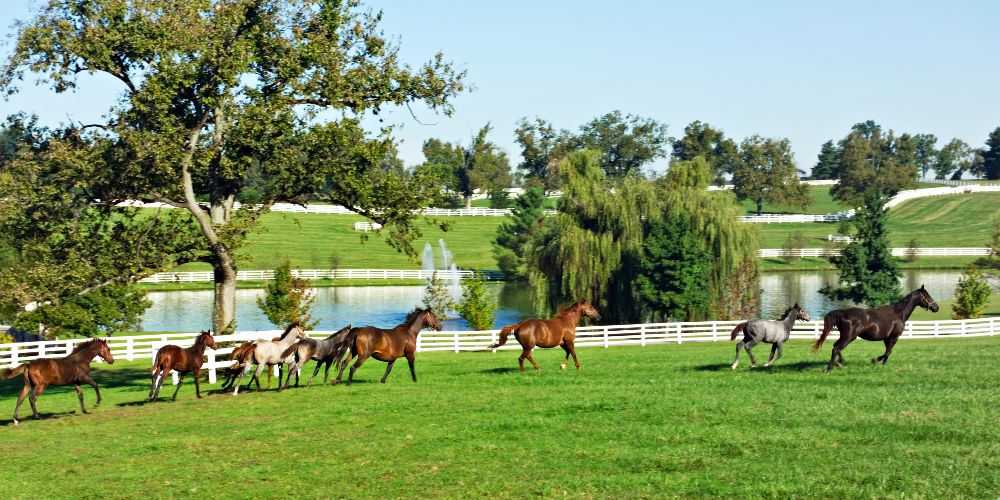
{"x": 547, "y": 333}
{"x": 326, "y": 351}
{"x": 171, "y": 357}
{"x": 885, "y": 323}
{"x": 240, "y": 357}
{"x": 73, "y": 369}
{"x": 387, "y": 345}
{"x": 769, "y": 331}
{"x": 269, "y": 353}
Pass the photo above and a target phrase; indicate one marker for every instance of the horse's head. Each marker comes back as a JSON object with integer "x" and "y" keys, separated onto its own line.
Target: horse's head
{"x": 588, "y": 310}
{"x": 431, "y": 320}
{"x": 206, "y": 339}
{"x": 104, "y": 351}
{"x": 800, "y": 313}
{"x": 925, "y": 299}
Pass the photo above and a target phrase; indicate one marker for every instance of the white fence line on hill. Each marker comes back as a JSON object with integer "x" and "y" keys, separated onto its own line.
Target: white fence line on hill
{"x": 145, "y": 346}
{"x": 345, "y": 274}
{"x": 898, "y": 252}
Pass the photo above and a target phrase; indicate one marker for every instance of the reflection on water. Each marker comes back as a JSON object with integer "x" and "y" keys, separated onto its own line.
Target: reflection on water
{"x": 385, "y": 306}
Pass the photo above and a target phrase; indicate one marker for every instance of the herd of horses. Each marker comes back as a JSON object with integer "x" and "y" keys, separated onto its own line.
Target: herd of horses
{"x": 293, "y": 349}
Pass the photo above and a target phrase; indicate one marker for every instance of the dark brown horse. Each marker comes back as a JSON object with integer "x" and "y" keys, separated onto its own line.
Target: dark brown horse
{"x": 547, "y": 333}
{"x": 885, "y": 323}
{"x": 73, "y": 369}
{"x": 387, "y": 345}
{"x": 189, "y": 360}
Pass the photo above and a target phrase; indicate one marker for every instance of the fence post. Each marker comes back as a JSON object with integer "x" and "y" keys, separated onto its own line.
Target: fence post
{"x": 605, "y": 337}
{"x": 211, "y": 366}
{"x": 130, "y": 349}
{"x": 815, "y": 329}
{"x": 493, "y": 340}
{"x": 642, "y": 335}
{"x": 41, "y": 349}
{"x": 937, "y": 328}
{"x": 678, "y": 333}
{"x": 456, "y": 340}
{"x": 418, "y": 343}
{"x": 715, "y": 331}
{"x": 13, "y": 354}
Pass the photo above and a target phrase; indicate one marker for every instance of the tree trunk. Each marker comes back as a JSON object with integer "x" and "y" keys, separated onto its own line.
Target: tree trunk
{"x": 468, "y": 201}
{"x": 224, "y": 306}
{"x": 760, "y": 207}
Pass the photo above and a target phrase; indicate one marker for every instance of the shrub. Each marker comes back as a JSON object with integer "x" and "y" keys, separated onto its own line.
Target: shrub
{"x": 478, "y": 307}
{"x": 287, "y": 299}
{"x": 794, "y": 242}
{"x": 437, "y": 297}
{"x": 971, "y": 295}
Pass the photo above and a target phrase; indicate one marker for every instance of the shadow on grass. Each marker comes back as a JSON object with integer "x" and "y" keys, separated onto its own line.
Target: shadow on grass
{"x": 500, "y": 371}
{"x": 26, "y": 417}
{"x": 796, "y": 367}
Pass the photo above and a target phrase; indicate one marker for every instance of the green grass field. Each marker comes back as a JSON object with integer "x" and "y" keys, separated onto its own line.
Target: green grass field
{"x": 311, "y": 241}
{"x": 661, "y": 421}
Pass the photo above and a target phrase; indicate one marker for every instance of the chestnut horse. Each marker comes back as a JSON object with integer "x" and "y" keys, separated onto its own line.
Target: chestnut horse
{"x": 171, "y": 357}
{"x": 547, "y": 333}
{"x": 73, "y": 369}
{"x": 885, "y": 323}
{"x": 387, "y": 345}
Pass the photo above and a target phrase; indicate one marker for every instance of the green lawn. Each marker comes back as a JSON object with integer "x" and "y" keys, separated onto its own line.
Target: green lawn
{"x": 822, "y": 203}
{"x": 663, "y": 421}
{"x": 310, "y": 241}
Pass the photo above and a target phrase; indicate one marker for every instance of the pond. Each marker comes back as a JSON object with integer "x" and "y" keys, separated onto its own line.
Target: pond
{"x": 385, "y": 306}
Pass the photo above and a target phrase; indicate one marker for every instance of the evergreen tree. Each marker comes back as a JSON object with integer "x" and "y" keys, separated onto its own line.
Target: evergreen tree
{"x": 971, "y": 295}
{"x": 827, "y": 162}
{"x": 925, "y": 153}
{"x": 287, "y": 299}
{"x": 438, "y": 298}
{"x": 868, "y": 271}
{"x": 674, "y": 271}
{"x": 478, "y": 307}
{"x": 513, "y": 236}
{"x": 991, "y": 156}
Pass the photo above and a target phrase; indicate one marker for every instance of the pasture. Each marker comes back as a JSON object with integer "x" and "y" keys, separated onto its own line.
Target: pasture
{"x": 313, "y": 241}
{"x": 665, "y": 421}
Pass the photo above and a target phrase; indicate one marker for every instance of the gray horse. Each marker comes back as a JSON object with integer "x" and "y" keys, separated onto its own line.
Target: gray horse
{"x": 327, "y": 351}
{"x": 769, "y": 331}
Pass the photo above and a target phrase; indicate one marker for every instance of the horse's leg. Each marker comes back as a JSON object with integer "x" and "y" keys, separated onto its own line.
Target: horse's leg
{"x": 343, "y": 365}
{"x": 260, "y": 368}
{"x": 326, "y": 370}
{"x": 79, "y": 395}
{"x": 771, "y": 358}
{"x": 526, "y": 355}
{"x": 572, "y": 350}
{"x": 33, "y": 398}
{"x": 749, "y": 346}
{"x": 197, "y": 385}
{"x": 89, "y": 381}
{"x": 410, "y": 360}
{"x": 152, "y": 385}
{"x": 20, "y": 398}
{"x": 889, "y": 344}
{"x": 180, "y": 380}
{"x": 354, "y": 368}
{"x": 388, "y": 368}
{"x": 565, "y": 347}
{"x": 736, "y": 361}
{"x": 836, "y": 358}
{"x": 533, "y": 362}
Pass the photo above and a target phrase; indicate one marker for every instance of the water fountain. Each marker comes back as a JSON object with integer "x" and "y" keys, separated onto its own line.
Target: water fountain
{"x": 427, "y": 259}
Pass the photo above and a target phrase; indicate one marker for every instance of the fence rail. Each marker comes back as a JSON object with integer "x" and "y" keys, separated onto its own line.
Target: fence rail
{"x": 145, "y": 346}
{"x": 344, "y": 274}
{"x": 898, "y": 252}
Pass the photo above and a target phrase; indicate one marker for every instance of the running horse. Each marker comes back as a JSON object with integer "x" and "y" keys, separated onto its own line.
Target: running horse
{"x": 386, "y": 345}
{"x": 73, "y": 369}
{"x": 768, "y": 331}
{"x": 547, "y": 333}
{"x": 171, "y": 357}
{"x": 885, "y": 323}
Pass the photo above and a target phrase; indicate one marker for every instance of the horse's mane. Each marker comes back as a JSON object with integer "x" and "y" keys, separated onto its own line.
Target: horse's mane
{"x": 338, "y": 332}
{"x": 412, "y": 316}
{"x": 85, "y": 345}
{"x": 785, "y": 314}
{"x": 288, "y": 329}
{"x": 567, "y": 309}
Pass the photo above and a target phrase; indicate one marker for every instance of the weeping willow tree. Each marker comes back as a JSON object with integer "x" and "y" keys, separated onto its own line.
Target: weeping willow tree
{"x": 592, "y": 248}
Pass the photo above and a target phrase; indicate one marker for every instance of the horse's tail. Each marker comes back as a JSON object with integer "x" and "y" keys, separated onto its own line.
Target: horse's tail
{"x": 736, "y": 331}
{"x": 342, "y": 347}
{"x": 828, "y": 321}
{"x": 8, "y": 373}
{"x": 504, "y": 332}
{"x": 291, "y": 350}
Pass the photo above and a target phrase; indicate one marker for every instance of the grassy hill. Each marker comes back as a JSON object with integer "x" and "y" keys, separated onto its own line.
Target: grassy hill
{"x": 658, "y": 421}
{"x": 311, "y": 241}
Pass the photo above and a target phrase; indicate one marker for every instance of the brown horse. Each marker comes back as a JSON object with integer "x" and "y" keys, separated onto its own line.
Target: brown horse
{"x": 885, "y": 323}
{"x": 240, "y": 356}
{"x": 73, "y": 369}
{"x": 387, "y": 345}
{"x": 558, "y": 331}
{"x": 171, "y": 357}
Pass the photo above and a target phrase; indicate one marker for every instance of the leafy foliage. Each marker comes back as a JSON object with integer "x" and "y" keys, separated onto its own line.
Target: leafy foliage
{"x": 625, "y": 142}
{"x": 971, "y": 295}
{"x": 99, "y": 313}
{"x": 674, "y": 272}
{"x": 479, "y": 166}
{"x": 954, "y": 159}
{"x": 827, "y": 162}
{"x": 991, "y": 156}
{"x": 766, "y": 172}
{"x": 287, "y": 299}
{"x": 868, "y": 271}
{"x": 477, "y": 307}
{"x": 542, "y": 146}
{"x": 874, "y": 161}
{"x": 514, "y": 235}
{"x": 438, "y": 298}
{"x": 795, "y": 241}
{"x": 701, "y": 139}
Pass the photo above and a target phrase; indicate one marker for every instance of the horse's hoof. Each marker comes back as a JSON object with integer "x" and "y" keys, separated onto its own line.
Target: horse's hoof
{"x": 562, "y": 366}
{"x": 767, "y": 365}
{"x": 17, "y": 422}
{"x": 734, "y": 365}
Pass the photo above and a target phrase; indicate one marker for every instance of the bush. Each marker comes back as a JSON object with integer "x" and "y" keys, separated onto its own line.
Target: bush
{"x": 911, "y": 250}
{"x": 971, "y": 295}
{"x": 478, "y": 307}
{"x": 287, "y": 299}
{"x": 437, "y": 297}
{"x": 500, "y": 198}
{"x": 794, "y": 242}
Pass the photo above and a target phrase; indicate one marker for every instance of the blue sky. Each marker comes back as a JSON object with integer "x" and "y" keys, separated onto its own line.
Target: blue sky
{"x": 802, "y": 70}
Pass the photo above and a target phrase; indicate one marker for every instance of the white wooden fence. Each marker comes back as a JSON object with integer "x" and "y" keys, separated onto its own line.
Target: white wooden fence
{"x": 345, "y": 274}
{"x": 145, "y": 346}
{"x": 898, "y": 252}
{"x": 941, "y": 191}
{"x": 793, "y": 218}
